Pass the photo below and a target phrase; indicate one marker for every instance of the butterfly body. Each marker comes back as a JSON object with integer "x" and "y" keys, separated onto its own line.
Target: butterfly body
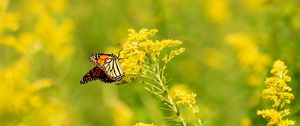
{"x": 107, "y": 69}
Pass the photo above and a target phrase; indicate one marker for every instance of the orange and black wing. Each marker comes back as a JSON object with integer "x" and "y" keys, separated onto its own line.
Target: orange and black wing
{"x": 99, "y": 58}
{"x": 96, "y": 74}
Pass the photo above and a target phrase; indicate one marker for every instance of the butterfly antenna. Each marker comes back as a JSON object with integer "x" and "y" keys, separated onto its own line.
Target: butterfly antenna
{"x": 119, "y": 53}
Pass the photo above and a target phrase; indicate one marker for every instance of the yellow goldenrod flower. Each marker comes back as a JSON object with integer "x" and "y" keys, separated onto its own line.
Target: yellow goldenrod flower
{"x": 276, "y": 87}
{"x": 185, "y": 98}
{"x": 248, "y": 52}
{"x": 279, "y": 92}
{"x": 20, "y": 94}
{"x": 173, "y": 53}
{"x": 275, "y": 118}
{"x": 182, "y": 97}
{"x": 271, "y": 115}
{"x": 249, "y": 56}
{"x": 55, "y": 37}
{"x": 142, "y": 35}
{"x": 132, "y": 52}
{"x": 139, "y": 47}
{"x": 10, "y": 22}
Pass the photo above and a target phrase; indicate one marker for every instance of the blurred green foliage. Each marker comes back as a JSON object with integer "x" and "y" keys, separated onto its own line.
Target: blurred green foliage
{"x": 230, "y": 47}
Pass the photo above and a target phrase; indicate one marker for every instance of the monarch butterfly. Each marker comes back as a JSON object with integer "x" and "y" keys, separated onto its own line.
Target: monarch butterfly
{"x": 107, "y": 69}
{"x": 110, "y": 64}
{"x": 95, "y": 74}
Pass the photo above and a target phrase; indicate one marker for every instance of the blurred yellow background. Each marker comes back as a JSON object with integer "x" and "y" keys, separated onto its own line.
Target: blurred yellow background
{"x": 230, "y": 48}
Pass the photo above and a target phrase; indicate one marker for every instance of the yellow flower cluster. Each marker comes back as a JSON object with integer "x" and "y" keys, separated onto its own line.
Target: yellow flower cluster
{"x": 49, "y": 33}
{"x": 172, "y": 54}
{"x": 9, "y": 21}
{"x": 185, "y": 98}
{"x": 248, "y": 52}
{"x": 279, "y": 92}
{"x": 25, "y": 33}
{"x": 276, "y": 87}
{"x": 249, "y": 56}
{"x": 139, "y": 48}
{"x": 143, "y": 35}
{"x": 274, "y": 117}
{"x": 181, "y": 96}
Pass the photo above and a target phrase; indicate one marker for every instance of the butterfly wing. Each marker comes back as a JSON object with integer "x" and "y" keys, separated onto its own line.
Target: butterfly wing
{"x": 95, "y": 74}
{"x": 100, "y": 58}
{"x": 113, "y": 69}
{"x": 108, "y": 67}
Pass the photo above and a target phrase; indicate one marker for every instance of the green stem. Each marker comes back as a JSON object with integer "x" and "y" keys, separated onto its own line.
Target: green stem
{"x": 159, "y": 76}
{"x": 182, "y": 120}
{"x": 199, "y": 122}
